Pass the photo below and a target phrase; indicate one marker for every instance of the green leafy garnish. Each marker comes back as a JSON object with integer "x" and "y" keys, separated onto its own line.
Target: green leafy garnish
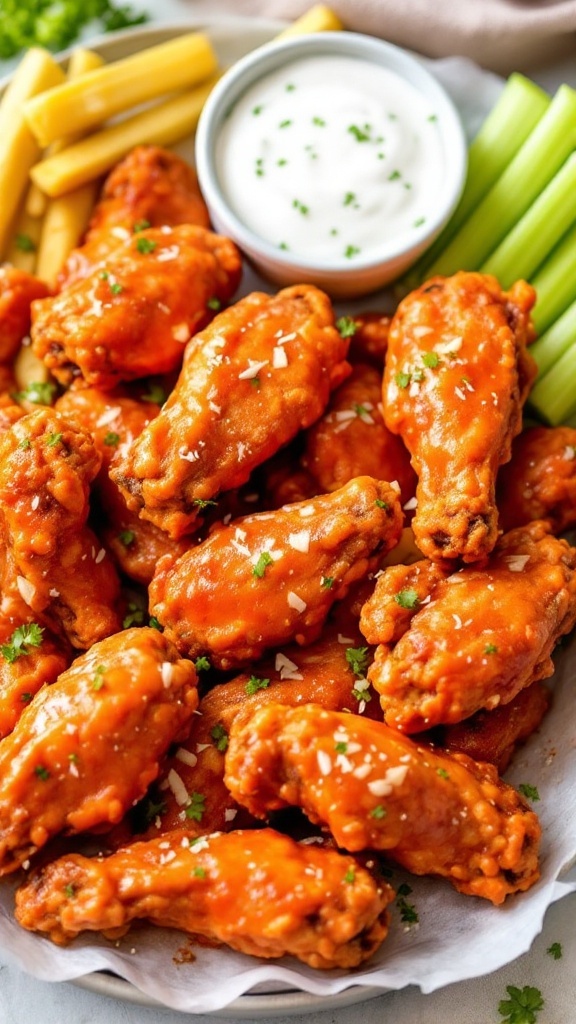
{"x": 522, "y": 1006}
{"x": 381, "y": 504}
{"x": 442, "y": 773}
{"x": 57, "y": 23}
{"x": 341, "y": 747}
{"x": 53, "y": 439}
{"x": 127, "y": 537}
{"x": 402, "y": 379}
{"x": 98, "y": 680}
{"x": 153, "y": 810}
{"x": 135, "y": 616}
{"x": 24, "y": 243}
{"x": 350, "y": 876}
{"x": 214, "y": 304}
{"x": 327, "y": 582}
{"x": 359, "y": 134}
{"x": 260, "y": 568}
{"x": 555, "y": 951}
{"x": 203, "y": 502}
{"x": 358, "y": 659}
{"x": 39, "y": 392}
{"x": 41, "y": 772}
{"x": 408, "y": 912}
{"x": 407, "y": 599}
{"x": 254, "y": 684}
{"x": 430, "y": 359}
{"x": 145, "y": 245}
{"x": 220, "y": 737}
{"x": 23, "y": 638}
{"x": 69, "y": 891}
{"x": 196, "y": 807}
{"x": 155, "y": 394}
{"x": 112, "y": 439}
{"x": 155, "y": 624}
{"x": 141, "y": 225}
{"x": 346, "y": 326}
{"x": 26, "y": 697}
{"x": 116, "y": 288}
{"x": 490, "y": 649}
{"x": 378, "y": 812}
{"x": 202, "y": 664}
{"x": 199, "y": 873}
{"x": 25, "y": 443}
{"x": 350, "y": 251}
{"x": 301, "y": 207}
{"x": 530, "y": 792}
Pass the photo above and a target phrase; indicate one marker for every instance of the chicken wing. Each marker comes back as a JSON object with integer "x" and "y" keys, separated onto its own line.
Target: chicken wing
{"x": 87, "y": 747}
{"x": 270, "y": 578}
{"x": 152, "y": 187}
{"x": 457, "y": 374}
{"x": 261, "y": 372}
{"x": 351, "y": 438}
{"x": 375, "y": 789}
{"x": 540, "y": 480}
{"x": 485, "y": 634}
{"x": 259, "y": 892}
{"x": 133, "y": 314}
{"x": 52, "y": 558}
{"x": 17, "y": 292}
{"x": 29, "y": 657}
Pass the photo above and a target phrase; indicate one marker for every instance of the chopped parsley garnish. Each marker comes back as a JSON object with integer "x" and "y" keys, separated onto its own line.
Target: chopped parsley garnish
{"x": 555, "y": 951}
{"x": 264, "y": 559}
{"x": 112, "y": 439}
{"x": 283, "y": 246}
{"x": 349, "y": 198}
{"x": 199, "y": 873}
{"x": 145, "y": 245}
{"x": 522, "y": 1006}
{"x": 530, "y": 792}
{"x": 254, "y": 684}
{"x": 407, "y": 599}
{"x": 350, "y": 876}
{"x": 257, "y": 110}
{"x": 103, "y": 275}
{"x": 381, "y": 504}
{"x": 362, "y": 695}
{"x": 39, "y": 392}
{"x": 408, "y": 912}
{"x": 361, "y": 410}
{"x": 430, "y": 359}
{"x": 98, "y": 680}
{"x": 350, "y": 251}
{"x": 23, "y": 638}
{"x": 116, "y": 288}
{"x": 442, "y": 773}
{"x": 327, "y": 582}
{"x": 378, "y": 812}
{"x": 220, "y": 737}
{"x": 341, "y": 747}
{"x": 360, "y": 134}
{"x": 53, "y": 439}
{"x": 155, "y": 394}
{"x": 285, "y": 124}
{"x": 25, "y": 443}
{"x": 301, "y": 207}
{"x": 358, "y": 659}
{"x": 202, "y": 664}
{"x": 290, "y": 87}
{"x": 73, "y": 758}
{"x": 26, "y": 697}
{"x": 281, "y": 162}
{"x": 41, "y": 772}
{"x": 394, "y": 176}
{"x": 490, "y": 649}
{"x": 24, "y": 243}
{"x": 69, "y": 891}
{"x": 135, "y": 616}
{"x": 153, "y": 810}
{"x": 418, "y": 223}
{"x": 255, "y": 382}
{"x": 203, "y": 502}
{"x": 319, "y": 121}
{"x": 346, "y": 327}
{"x": 214, "y": 303}
{"x": 404, "y": 889}
{"x": 196, "y": 807}
{"x": 127, "y": 537}
{"x": 141, "y": 225}
{"x": 433, "y": 118}
{"x": 402, "y": 379}
{"x": 155, "y": 624}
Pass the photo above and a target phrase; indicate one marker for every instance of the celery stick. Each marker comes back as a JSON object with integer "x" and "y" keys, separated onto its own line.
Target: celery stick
{"x": 554, "y": 397}
{"x": 555, "y": 283}
{"x": 535, "y": 164}
{"x": 552, "y": 345}
{"x": 532, "y": 239}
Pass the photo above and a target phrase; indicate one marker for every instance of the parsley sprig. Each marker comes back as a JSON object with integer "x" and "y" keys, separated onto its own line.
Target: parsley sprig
{"x": 522, "y": 1006}
{"x": 23, "y": 638}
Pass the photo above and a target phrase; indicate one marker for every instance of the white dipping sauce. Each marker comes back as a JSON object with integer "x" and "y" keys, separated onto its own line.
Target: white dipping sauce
{"x": 330, "y": 157}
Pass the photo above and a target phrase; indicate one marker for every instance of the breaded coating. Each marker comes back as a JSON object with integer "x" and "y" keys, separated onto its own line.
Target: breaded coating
{"x": 457, "y": 375}
{"x": 540, "y": 480}
{"x": 271, "y": 578}
{"x": 351, "y": 438}
{"x": 261, "y": 372}
{"x": 133, "y": 314}
{"x": 259, "y": 892}
{"x": 115, "y": 420}
{"x": 87, "y": 747}
{"x": 18, "y": 290}
{"x": 149, "y": 187}
{"x": 52, "y": 558}
{"x": 26, "y": 666}
{"x": 485, "y": 634}
{"x": 435, "y": 814}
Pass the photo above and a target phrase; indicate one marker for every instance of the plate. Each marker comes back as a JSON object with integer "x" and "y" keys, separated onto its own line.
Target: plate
{"x": 474, "y": 92}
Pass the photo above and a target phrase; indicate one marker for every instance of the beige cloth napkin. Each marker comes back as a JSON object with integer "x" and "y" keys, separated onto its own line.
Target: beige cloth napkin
{"x": 503, "y": 35}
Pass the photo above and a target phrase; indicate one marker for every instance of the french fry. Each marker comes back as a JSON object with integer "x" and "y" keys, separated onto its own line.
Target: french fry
{"x": 319, "y": 18}
{"x": 161, "y": 125}
{"x": 77, "y": 106}
{"x": 19, "y": 149}
{"x": 25, "y": 235}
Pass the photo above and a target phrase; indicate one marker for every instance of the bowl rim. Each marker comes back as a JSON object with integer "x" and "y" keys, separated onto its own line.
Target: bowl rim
{"x": 275, "y": 54}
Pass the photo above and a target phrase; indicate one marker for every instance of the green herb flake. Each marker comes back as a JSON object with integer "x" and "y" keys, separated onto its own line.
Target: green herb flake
{"x": 214, "y": 303}
{"x": 197, "y": 806}
{"x": 407, "y": 599}
{"x": 141, "y": 225}
{"x": 254, "y": 684}
{"x": 202, "y": 664}
{"x": 98, "y": 680}
{"x": 199, "y": 873}
{"x": 112, "y": 440}
{"x": 220, "y": 737}
{"x": 378, "y": 812}
{"x": 290, "y": 87}
{"x": 403, "y": 379}
{"x": 361, "y": 410}
{"x": 350, "y": 251}
{"x": 349, "y": 198}
{"x": 285, "y": 124}
{"x": 53, "y": 439}
{"x": 418, "y": 222}
{"x": 283, "y": 246}
{"x": 346, "y": 326}
{"x": 135, "y": 616}
{"x": 264, "y": 559}
{"x": 127, "y": 537}
{"x": 24, "y": 243}
{"x": 116, "y": 288}
{"x": 442, "y": 773}
{"x": 394, "y": 176}
{"x": 530, "y": 792}
{"x": 381, "y": 504}
{"x": 69, "y": 891}
{"x": 319, "y": 122}
{"x": 202, "y": 503}
{"x": 103, "y": 275}
{"x": 362, "y": 695}
{"x": 145, "y": 245}
{"x": 154, "y": 623}
{"x": 404, "y": 889}
{"x": 431, "y": 360}
{"x": 341, "y": 747}
{"x": 432, "y": 118}
{"x": 26, "y": 697}
{"x": 490, "y": 649}
{"x": 360, "y": 134}
{"x": 38, "y": 392}
{"x": 301, "y": 207}
{"x": 255, "y": 382}
{"x": 408, "y": 912}
{"x": 153, "y": 809}
{"x": 155, "y": 394}
{"x": 25, "y": 444}
{"x": 555, "y": 951}
{"x": 41, "y": 772}
{"x": 23, "y": 638}
{"x": 523, "y": 1005}
{"x": 327, "y": 582}
{"x": 350, "y": 876}
{"x": 358, "y": 659}
{"x": 73, "y": 758}
{"x": 256, "y": 111}
{"x": 281, "y": 162}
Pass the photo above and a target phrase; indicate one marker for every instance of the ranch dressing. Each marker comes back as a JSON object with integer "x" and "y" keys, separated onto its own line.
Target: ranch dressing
{"x": 331, "y": 158}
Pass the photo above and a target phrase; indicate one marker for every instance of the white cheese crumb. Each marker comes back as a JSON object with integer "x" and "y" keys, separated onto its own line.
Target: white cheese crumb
{"x": 362, "y": 771}
{"x": 307, "y": 510}
{"x": 108, "y": 416}
{"x": 35, "y": 502}
{"x": 279, "y": 358}
{"x": 444, "y": 348}
{"x": 186, "y": 756}
{"x": 457, "y": 621}
{"x": 26, "y": 589}
{"x": 215, "y": 408}
{"x": 324, "y": 762}
{"x": 283, "y": 338}
{"x": 569, "y": 452}
{"x": 460, "y": 394}
{"x": 300, "y": 541}
{"x": 345, "y": 639}
{"x": 287, "y": 669}
{"x": 420, "y": 331}
{"x": 230, "y": 813}
{"x": 178, "y": 788}
{"x": 253, "y": 369}
{"x": 296, "y": 602}
{"x": 100, "y": 556}
{"x": 181, "y": 332}
{"x": 516, "y": 563}
{"x": 410, "y": 504}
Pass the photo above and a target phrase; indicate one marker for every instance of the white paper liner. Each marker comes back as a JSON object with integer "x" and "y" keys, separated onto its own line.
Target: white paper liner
{"x": 457, "y": 937}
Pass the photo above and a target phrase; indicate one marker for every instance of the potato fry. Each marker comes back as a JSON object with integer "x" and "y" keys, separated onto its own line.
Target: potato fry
{"x": 319, "y": 18}
{"x": 19, "y": 151}
{"x": 161, "y": 125}
{"x": 77, "y": 106}
{"x": 29, "y": 369}
{"x": 24, "y": 238}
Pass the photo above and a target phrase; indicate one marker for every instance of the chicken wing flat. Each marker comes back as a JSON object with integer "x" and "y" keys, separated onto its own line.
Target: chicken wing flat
{"x": 54, "y": 560}
{"x": 87, "y": 747}
{"x": 540, "y": 480}
{"x": 133, "y": 314}
{"x": 259, "y": 892}
{"x": 351, "y": 438}
{"x": 271, "y": 578}
{"x": 29, "y": 658}
{"x": 261, "y": 372}
{"x": 375, "y": 789}
{"x": 457, "y": 374}
{"x": 17, "y": 292}
{"x": 150, "y": 187}
{"x": 485, "y": 634}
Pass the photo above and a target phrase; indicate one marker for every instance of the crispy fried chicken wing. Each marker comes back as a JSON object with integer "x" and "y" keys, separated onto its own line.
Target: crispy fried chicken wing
{"x": 150, "y": 186}
{"x": 259, "y": 892}
{"x": 52, "y": 558}
{"x": 261, "y": 372}
{"x": 376, "y": 789}
{"x": 133, "y": 314}
{"x": 540, "y": 480}
{"x": 17, "y": 292}
{"x": 88, "y": 746}
{"x": 457, "y": 374}
{"x": 351, "y": 438}
{"x": 486, "y": 633}
{"x": 270, "y": 578}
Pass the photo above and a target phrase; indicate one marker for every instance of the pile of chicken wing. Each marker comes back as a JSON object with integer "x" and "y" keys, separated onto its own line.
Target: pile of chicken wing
{"x": 266, "y": 573}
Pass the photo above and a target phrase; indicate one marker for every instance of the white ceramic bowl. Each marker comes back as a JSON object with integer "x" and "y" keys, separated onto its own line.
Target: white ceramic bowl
{"x": 383, "y": 262}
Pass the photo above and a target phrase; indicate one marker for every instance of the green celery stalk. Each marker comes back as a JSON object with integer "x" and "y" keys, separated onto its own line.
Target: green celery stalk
{"x": 554, "y": 396}
{"x": 555, "y": 341}
{"x": 555, "y": 283}
{"x": 534, "y": 236}
{"x": 535, "y": 164}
